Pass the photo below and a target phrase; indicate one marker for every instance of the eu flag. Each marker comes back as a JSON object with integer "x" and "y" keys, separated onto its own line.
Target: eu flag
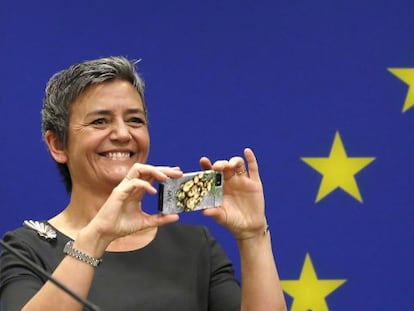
{"x": 322, "y": 91}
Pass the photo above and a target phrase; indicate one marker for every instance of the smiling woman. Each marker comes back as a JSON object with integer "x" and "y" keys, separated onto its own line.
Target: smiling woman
{"x": 104, "y": 246}
{"x": 68, "y": 86}
{"x": 107, "y": 123}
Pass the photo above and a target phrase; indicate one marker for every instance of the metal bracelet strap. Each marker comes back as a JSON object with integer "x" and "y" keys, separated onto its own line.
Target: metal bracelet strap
{"x": 69, "y": 250}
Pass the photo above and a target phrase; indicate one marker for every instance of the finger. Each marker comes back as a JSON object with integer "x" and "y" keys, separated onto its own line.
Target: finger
{"x": 220, "y": 165}
{"x": 134, "y": 171}
{"x": 225, "y": 167}
{"x": 239, "y": 166}
{"x": 132, "y": 186}
{"x": 252, "y": 164}
{"x": 173, "y": 172}
{"x": 151, "y": 173}
{"x": 205, "y": 163}
{"x": 148, "y": 172}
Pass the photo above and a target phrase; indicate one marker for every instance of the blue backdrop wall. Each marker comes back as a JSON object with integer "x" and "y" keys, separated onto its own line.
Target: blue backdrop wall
{"x": 323, "y": 91}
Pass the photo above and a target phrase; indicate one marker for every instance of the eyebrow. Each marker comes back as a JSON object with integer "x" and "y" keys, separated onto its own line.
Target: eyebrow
{"x": 109, "y": 112}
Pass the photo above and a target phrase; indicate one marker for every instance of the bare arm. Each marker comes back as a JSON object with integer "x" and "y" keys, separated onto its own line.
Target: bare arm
{"x": 261, "y": 289}
{"x": 74, "y": 274}
{"x": 242, "y": 212}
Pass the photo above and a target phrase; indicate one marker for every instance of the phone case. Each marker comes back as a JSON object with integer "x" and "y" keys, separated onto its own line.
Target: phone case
{"x": 193, "y": 191}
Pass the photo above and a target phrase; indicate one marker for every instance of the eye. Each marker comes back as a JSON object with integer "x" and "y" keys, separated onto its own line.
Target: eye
{"x": 100, "y": 121}
{"x": 137, "y": 120}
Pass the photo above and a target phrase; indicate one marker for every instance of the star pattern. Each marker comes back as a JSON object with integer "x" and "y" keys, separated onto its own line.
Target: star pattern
{"x": 407, "y": 76}
{"x": 338, "y": 170}
{"x": 309, "y": 292}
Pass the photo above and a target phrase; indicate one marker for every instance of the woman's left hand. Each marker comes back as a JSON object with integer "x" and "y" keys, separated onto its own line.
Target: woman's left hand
{"x": 242, "y": 209}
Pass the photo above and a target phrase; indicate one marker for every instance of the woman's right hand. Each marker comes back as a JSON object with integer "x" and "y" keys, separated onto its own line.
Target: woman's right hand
{"x": 122, "y": 212}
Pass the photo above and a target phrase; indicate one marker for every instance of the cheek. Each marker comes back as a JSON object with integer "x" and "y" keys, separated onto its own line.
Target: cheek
{"x": 148, "y": 140}
{"x": 143, "y": 139}
{"x": 143, "y": 143}
{"x": 147, "y": 145}
{"x": 85, "y": 144}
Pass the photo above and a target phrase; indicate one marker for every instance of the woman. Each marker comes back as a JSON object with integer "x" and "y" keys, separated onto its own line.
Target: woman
{"x": 102, "y": 245}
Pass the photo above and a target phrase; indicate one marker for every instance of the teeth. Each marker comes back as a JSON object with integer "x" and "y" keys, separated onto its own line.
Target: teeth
{"x": 117, "y": 155}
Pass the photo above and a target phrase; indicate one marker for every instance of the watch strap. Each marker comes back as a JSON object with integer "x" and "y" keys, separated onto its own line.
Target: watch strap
{"x": 69, "y": 250}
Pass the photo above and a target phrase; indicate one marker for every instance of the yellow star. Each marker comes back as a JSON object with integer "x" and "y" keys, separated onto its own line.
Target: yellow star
{"x": 309, "y": 292}
{"x": 406, "y": 75}
{"x": 338, "y": 170}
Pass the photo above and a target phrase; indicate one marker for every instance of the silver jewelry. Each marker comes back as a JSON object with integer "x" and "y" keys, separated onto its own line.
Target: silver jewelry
{"x": 69, "y": 250}
{"x": 43, "y": 230}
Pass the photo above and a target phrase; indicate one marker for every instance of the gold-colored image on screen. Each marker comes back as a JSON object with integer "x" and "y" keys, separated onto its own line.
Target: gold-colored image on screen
{"x": 193, "y": 191}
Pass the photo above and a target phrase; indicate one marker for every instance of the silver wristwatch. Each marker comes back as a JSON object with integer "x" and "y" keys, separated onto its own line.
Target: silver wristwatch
{"x": 69, "y": 250}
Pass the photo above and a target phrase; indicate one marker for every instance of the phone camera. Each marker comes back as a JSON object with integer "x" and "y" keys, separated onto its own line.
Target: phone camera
{"x": 218, "y": 179}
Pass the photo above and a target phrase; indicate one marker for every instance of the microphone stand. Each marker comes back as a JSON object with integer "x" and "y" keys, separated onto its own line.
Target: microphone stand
{"x": 89, "y": 305}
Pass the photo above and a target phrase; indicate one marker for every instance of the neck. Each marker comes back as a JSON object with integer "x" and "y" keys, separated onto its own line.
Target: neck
{"x": 83, "y": 206}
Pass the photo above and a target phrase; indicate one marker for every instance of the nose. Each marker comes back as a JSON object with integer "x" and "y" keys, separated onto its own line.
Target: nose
{"x": 120, "y": 132}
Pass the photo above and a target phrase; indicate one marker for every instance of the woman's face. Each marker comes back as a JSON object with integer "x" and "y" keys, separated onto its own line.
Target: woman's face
{"x": 108, "y": 133}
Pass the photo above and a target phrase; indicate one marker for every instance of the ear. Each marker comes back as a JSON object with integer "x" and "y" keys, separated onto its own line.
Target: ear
{"x": 56, "y": 148}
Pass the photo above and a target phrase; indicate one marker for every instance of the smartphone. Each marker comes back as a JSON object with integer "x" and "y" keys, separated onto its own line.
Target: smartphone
{"x": 191, "y": 192}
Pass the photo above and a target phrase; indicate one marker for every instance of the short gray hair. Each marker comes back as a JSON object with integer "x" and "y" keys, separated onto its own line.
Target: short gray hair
{"x": 67, "y": 85}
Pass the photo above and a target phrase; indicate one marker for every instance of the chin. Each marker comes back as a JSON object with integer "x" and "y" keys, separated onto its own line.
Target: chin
{"x": 114, "y": 177}
{"x": 117, "y": 177}
{"x": 110, "y": 183}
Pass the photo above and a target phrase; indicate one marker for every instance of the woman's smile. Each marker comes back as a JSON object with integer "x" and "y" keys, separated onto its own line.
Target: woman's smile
{"x": 117, "y": 155}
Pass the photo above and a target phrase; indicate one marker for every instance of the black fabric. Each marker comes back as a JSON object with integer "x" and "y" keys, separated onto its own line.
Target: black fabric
{"x": 183, "y": 268}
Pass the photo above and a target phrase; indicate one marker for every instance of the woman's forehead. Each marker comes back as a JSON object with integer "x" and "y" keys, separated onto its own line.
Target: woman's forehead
{"x": 109, "y": 95}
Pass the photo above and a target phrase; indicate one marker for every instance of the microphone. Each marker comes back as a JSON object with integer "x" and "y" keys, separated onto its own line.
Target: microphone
{"x": 86, "y": 303}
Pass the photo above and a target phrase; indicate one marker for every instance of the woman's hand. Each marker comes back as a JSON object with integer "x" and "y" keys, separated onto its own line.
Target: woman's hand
{"x": 122, "y": 212}
{"x": 242, "y": 210}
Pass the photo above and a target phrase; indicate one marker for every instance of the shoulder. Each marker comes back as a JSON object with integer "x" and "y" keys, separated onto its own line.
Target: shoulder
{"x": 36, "y": 239}
{"x": 32, "y": 232}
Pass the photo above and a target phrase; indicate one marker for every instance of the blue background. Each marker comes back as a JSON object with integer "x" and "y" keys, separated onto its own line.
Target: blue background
{"x": 278, "y": 76}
